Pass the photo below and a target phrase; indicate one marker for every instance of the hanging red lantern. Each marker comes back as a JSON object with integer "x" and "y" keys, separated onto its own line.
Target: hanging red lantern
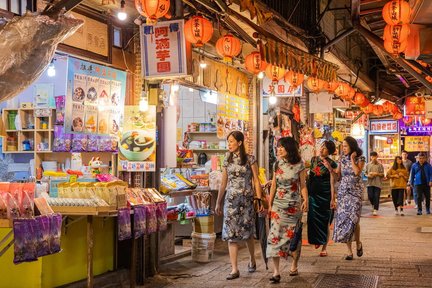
{"x": 360, "y": 99}
{"x": 429, "y": 79}
{"x": 407, "y": 120}
{"x": 294, "y": 78}
{"x": 387, "y": 106}
{"x": 398, "y": 33}
{"x": 368, "y": 109}
{"x": 396, "y": 12}
{"x": 152, "y": 9}
{"x": 351, "y": 94}
{"x": 254, "y": 63}
{"x": 342, "y": 89}
{"x": 275, "y": 73}
{"x": 398, "y": 116}
{"x": 394, "y": 47}
{"x": 228, "y": 47}
{"x": 315, "y": 84}
{"x": 378, "y": 110}
{"x": 198, "y": 30}
{"x": 331, "y": 86}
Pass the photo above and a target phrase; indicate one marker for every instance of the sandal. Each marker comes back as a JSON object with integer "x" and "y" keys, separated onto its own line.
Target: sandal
{"x": 293, "y": 272}
{"x": 233, "y": 276}
{"x": 323, "y": 254}
{"x": 275, "y": 279}
{"x": 251, "y": 268}
{"x": 360, "y": 251}
{"x": 349, "y": 257}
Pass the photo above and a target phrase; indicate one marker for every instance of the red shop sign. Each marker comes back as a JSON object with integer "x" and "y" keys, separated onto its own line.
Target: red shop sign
{"x": 415, "y": 106}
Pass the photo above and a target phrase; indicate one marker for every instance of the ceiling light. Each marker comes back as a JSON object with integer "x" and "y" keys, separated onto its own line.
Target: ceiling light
{"x": 261, "y": 75}
{"x": 143, "y": 103}
{"x": 272, "y": 100}
{"x": 122, "y": 15}
{"x": 51, "y": 71}
{"x": 203, "y": 64}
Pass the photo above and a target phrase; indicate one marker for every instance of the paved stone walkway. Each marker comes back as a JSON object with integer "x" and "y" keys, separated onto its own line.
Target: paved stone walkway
{"x": 395, "y": 250}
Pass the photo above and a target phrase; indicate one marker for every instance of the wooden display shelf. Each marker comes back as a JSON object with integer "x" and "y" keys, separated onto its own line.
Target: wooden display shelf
{"x": 18, "y": 152}
{"x": 75, "y": 210}
{"x": 5, "y": 223}
{"x": 202, "y": 132}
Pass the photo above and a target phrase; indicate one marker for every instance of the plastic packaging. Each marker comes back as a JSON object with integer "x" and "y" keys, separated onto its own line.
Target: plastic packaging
{"x": 124, "y": 224}
{"x": 140, "y": 224}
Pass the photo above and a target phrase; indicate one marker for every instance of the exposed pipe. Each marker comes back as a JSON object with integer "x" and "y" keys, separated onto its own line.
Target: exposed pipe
{"x": 336, "y": 40}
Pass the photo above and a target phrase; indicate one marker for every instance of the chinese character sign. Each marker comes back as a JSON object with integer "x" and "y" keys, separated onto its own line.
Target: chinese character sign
{"x": 383, "y": 127}
{"x": 232, "y": 114}
{"x": 282, "y": 88}
{"x": 95, "y": 98}
{"x": 163, "y": 49}
{"x": 417, "y": 143}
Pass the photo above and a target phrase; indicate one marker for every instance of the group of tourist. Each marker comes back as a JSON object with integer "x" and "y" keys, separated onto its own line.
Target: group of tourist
{"x": 296, "y": 189}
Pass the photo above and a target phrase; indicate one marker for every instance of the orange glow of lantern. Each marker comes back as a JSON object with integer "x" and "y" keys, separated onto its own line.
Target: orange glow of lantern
{"x": 396, "y": 12}
{"x": 198, "y": 30}
{"x": 152, "y": 9}
{"x": 294, "y": 78}
{"x": 378, "y": 110}
{"x": 315, "y": 84}
{"x": 394, "y": 47}
{"x": 360, "y": 99}
{"x": 369, "y": 108}
{"x": 331, "y": 86}
{"x": 228, "y": 47}
{"x": 387, "y": 106}
{"x": 398, "y": 116}
{"x": 275, "y": 73}
{"x": 254, "y": 63}
{"x": 398, "y": 33}
{"x": 342, "y": 89}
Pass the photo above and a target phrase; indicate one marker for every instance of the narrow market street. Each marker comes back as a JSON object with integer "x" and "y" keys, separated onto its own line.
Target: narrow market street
{"x": 396, "y": 254}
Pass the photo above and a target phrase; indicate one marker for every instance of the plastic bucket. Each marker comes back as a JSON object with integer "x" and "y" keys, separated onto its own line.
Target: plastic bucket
{"x": 204, "y": 224}
{"x": 203, "y": 246}
{"x": 11, "y": 120}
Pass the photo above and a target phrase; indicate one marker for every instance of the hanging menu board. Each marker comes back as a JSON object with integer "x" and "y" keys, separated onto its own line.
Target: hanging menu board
{"x": 95, "y": 98}
{"x": 233, "y": 114}
{"x": 417, "y": 143}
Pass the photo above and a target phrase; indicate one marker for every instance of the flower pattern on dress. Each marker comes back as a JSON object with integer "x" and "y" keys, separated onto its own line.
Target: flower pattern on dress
{"x": 286, "y": 210}
{"x": 239, "y": 214}
{"x": 349, "y": 201}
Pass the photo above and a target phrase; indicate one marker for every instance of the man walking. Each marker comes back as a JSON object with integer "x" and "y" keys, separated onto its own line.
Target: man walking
{"x": 374, "y": 174}
{"x": 421, "y": 180}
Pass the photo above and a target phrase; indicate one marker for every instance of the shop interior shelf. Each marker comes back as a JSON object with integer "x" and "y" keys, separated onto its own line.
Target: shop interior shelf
{"x": 27, "y": 130}
{"x": 11, "y": 130}
{"x": 209, "y": 150}
{"x": 44, "y": 130}
{"x": 19, "y": 152}
{"x": 199, "y": 132}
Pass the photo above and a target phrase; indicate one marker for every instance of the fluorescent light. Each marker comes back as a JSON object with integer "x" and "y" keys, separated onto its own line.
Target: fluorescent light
{"x": 340, "y": 110}
{"x": 143, "y": 103}
{"x": 381, "y": 138}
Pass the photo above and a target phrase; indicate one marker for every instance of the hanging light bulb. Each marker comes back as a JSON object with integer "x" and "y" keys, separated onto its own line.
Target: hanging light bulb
{"x": 272, "y": 100}
{"x": 122, "y": 15}
{"x": 261, "y": 75}
{"x": 51, "y": 71}
{"x": 143, "y": 103}
{"x": 203, "y": 64}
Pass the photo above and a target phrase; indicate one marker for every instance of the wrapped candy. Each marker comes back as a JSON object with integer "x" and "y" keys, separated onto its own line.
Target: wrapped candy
{"x": 140, "y": 223}
{"x": 124, "y": 224}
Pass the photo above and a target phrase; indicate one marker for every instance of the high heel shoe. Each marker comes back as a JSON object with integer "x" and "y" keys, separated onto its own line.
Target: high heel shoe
{"x": 275, "y": 279}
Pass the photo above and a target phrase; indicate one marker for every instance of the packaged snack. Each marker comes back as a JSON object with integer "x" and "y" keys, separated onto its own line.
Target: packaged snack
{"x": 92, "y": 145}
{"x": 161, "y": 216}
{"x": 42, "y": 235}
{"x": 62, "y": 141}
{"x": 79, "y": 143}
{"x": 15, "y": 189}
{"x": 27, "y": 199}
{"x": 12, "y": 206}
{"x": 151, "y": 220}
{"x": 24, "y": 240}
{"x": 104, "y": 143}
{"x": 124, "y": 224}
{"x": 114, "y": 144}
{"x": 55, "y": 232}
{"x": 75, "y": 190}
{"x": 60, "y": 109}
{"x": 139, "y": 221}
{"x": 3, "y": 209}
{"x": 43, "y": 206}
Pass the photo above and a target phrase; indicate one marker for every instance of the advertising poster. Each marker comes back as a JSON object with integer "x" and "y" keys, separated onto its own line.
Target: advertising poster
{"x": 233, "y": 114}
{"x": 137, "y": 144}
{"x": 95, "y": 98}
{"x": 282, "y": 89}
{"x": 417, "y": 143}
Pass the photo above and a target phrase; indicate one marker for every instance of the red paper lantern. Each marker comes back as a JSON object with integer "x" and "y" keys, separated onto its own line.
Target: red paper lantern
{"x": 360, "y": 99}
{"x": 342, "y": 90}
{"x": 394, "y": 47}
{"x": 407, "y": 120}
{"x": 275, "y": 73}
{"x": 398, "y": 33}
{"x": 396, "y": 12}
{"x": 331, "y": 86}
{"x": 387, "y": 106}
{"x": 378, "y": 110}
{"x": 152, "y": 9}
{"x": 351, "y": 94}
{"x": 398, "y": 116}
{"x": 315, "y": 84}
{"x": 294, "y": 78}
{"x": 369, "y": 108}
{"x": 228, "y": 47}
{"x": 254, "y": 63}
{"x": 198, "y": 30}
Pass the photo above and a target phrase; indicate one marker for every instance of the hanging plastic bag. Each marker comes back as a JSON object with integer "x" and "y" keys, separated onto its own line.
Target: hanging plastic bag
{"x": 55, "y": 232}
{"x": 151, "y": 219}
{"x": 161, "y": 216}
{"x": 24, "y": 240}
{"x": 140, "y": 224}
{"x": 43, "y": 235}
{"x": 124, "y": 224}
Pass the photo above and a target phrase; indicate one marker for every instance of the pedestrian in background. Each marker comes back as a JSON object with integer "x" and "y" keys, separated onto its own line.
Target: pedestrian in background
{"x": 421, "y": 180}
{"x": 398, "y": 176}
{"x": 407, "y": 163}
{"x": 374, "y": 174}
{"x": 288, "y": 201}
{"x": 349, "y": 197}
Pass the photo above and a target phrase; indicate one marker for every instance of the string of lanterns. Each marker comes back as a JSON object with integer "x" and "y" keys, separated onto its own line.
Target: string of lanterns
{"x": 396, "y": 13}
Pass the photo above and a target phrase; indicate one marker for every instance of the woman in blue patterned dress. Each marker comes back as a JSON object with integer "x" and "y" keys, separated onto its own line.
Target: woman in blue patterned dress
{"x": 240, "y": 169}
{"x": 286, "y": 193}
{"x": 349, "y": 197}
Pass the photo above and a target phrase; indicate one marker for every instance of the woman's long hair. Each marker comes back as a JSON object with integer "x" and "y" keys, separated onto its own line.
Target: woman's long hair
{"x": 239, "y": 137}
{"x": 396, "y": 165}
{"x": 354, "y": 147}
{"x": 292, "y": 148}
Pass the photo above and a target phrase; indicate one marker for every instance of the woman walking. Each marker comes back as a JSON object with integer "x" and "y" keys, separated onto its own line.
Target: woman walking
{"x": 321, "y": 197}
{"x": 398, "y": 178}
{"x": 240, "y": 169}
{"x": 349, "y": 197}
{"x": 286, "y": 193}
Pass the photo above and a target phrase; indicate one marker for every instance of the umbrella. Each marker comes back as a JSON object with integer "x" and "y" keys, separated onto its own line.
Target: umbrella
{"x": 261, "y": 226}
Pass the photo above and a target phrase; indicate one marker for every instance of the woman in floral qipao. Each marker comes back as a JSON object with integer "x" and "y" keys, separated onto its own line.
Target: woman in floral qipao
{"x": 240, "y": 169}
{"x": 286, "y": 193}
